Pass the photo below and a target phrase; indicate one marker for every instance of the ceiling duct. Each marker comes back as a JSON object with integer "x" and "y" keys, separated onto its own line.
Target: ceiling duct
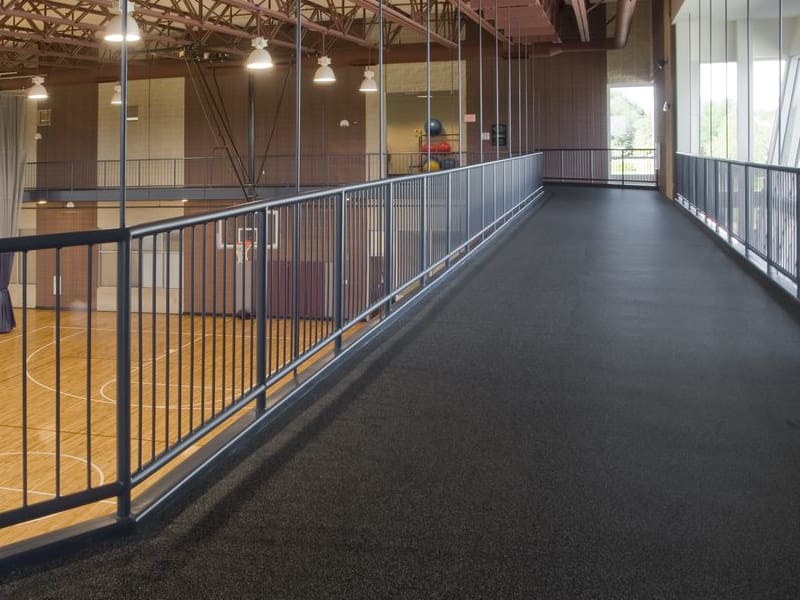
{"x": 622, "y": 28}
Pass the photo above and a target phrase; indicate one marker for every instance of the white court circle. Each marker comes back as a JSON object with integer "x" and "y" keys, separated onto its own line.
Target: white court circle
{"x": 34, "y": 492}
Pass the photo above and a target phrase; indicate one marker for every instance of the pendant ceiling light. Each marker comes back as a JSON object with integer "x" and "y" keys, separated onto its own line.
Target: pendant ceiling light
{"x": 37, "y": 91}
{"x": 113, "y": 32}
{"x": 369, "y": 84}
{"x": 259, "y": 58}
{"x": 324, "y": 72}
{"x": 116, "y": 99}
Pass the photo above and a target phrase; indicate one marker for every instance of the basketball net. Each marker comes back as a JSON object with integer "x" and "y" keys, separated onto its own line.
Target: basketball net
{"x": 243, "y": 251}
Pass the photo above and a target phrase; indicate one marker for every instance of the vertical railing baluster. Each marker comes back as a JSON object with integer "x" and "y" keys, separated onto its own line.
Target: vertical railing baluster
{"x": 296, "y": 281}
{"x": 338, "y": 310}
{"x": 797, "y": 231}
{"x": 730, "y": 202}
{"x": 388, "y": 272}
{"x": 716, "y": 196}
{"x": 468, "y": 205}
{"x": 746, "y": 211}
{"x": 769, "y": 221}
{"x": 423, "y": 230}
{"x": 261, "y": 316}
{"x": 449, "y": 217}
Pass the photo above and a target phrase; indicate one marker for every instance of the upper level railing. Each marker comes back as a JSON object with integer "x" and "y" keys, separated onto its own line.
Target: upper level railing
{"x": 612, "y": 166}
{"x": 754, "y": 207}
{"x": 317, "y": 170}
{"x": 100, "y": 406}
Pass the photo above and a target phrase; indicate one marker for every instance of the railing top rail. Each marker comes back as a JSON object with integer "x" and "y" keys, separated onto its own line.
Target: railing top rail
{"x": 742, "y": 163}
{"x": 36, "y": 242}
{"x": 249, "y": 207}
{"x": 61, "y": 240}
{"x": 596, "y": 150}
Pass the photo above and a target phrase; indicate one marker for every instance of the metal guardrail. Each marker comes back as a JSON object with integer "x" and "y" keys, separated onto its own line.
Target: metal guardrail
{"x": 265, "y": 294}
{"x": 753, "y": 207}
{"x": 206, "y": 171}
{"x": 317, "y": 170}
{"x": 612, "y": 166}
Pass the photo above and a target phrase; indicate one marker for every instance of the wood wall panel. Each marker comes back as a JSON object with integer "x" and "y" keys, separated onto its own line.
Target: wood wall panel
{"x": 571, "y": 92}
{"x": 571, "y": 97}
{"x": 72, "y": 136}
{"x": 74, "y": 266}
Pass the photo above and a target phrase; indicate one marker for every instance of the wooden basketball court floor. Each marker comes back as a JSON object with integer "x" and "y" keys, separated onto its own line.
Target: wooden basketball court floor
{"x": 59, "y": 407}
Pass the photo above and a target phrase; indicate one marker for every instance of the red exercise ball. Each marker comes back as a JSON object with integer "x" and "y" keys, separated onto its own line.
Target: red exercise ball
{"x": 424, "y": 147}
{"x": 443, "y": 147}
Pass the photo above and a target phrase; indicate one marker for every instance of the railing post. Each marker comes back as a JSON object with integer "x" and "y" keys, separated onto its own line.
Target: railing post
{"x": 296, "y": 281}
{"x": 705, "y": 190}
{"x": 261, "y": 309}
{"x": 730, "y": 202}
{"x": 769, "y": 221}
{"x": 338, "y": 308}
{"x": 123, "y": 377}
{"x": 423, "y": 230}
{"x": 797, "y": 231}
{"x": 746, "y": 211}
{"x": 389, "y": 247}
{"x": 716, "y": 196}
{"x": 469, "y": 207}
{"x": 483, "y": 201}
{"x": 494, "y": 196}
{"x": 449, "y": 216}
{"x": 622, "y": 160}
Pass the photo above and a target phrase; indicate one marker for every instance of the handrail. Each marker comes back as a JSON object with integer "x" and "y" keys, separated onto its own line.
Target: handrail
{"x": 736, "y": 161}
{"x": 608, "y": 166}
{"x": 328, "y": 169}
{"x": 753, "y": 207}
{"x": 212, "y": 330}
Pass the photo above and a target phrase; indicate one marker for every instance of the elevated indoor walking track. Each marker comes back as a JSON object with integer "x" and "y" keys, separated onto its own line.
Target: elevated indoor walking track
{"x": 602, "y": 405}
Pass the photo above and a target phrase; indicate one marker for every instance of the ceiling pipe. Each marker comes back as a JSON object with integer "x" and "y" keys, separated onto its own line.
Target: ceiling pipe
{"x": 622, "y": 28}
{"x": 581, "y": 18}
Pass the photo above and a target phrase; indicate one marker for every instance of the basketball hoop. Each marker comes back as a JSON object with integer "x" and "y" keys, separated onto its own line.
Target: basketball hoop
{"x": 243, "y": 251}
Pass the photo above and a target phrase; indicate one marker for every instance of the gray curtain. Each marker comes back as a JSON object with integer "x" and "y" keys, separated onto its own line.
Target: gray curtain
{"x": 12, "y": 165}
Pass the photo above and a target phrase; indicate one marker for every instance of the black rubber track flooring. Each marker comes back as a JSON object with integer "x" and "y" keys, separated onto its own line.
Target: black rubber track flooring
{"x": 602, "y": 405}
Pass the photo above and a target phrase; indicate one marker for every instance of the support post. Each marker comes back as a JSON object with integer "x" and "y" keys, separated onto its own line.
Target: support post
{"x": 123, "y": 301}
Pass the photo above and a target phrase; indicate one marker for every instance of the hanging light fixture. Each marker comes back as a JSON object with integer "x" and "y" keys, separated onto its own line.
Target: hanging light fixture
{"x": 116, "y": 98}
{"x": 369, "y": 84}
{"x": 37, "y": 91}
{"x": 324, "y": 73}
{"x": 259, "y": 58}
{"x": 113, "y": 32}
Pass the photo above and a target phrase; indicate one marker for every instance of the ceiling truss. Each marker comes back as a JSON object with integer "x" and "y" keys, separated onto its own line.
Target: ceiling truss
{"x": 43, "y": 35}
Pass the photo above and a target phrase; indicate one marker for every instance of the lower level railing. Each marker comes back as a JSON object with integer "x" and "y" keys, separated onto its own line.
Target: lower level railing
{"x": 613, "y": 166}
{"x": 220, "y": 319}
{"x": 754, "y": 207}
